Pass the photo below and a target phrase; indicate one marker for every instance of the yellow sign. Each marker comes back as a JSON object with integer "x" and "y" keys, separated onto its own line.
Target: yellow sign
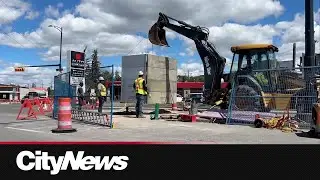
{"x": 19, "y": 69}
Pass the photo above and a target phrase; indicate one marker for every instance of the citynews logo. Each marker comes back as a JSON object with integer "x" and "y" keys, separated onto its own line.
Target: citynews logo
{"x": 42, "y": 161}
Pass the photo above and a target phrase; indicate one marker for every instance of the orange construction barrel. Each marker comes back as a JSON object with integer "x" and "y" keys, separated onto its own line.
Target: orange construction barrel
{"x": 64, "y": 117}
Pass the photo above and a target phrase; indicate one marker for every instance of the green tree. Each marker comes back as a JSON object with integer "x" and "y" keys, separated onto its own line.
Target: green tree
{"x": 93, "y": 70}
{"x": 106, "y": 75}
{"x": 117, "y": 76}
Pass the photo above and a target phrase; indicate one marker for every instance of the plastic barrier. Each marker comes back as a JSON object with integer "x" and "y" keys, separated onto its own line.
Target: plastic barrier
{"x": 31, "y": 114}
{"x": 174, "y": 107}
{"x": 47, "y": 105}
{"x": 64, "y": 117}
{"x": 38, "y": 106}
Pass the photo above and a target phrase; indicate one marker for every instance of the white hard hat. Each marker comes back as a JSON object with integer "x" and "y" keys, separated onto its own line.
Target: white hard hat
{"x": 140, "y": 73}
{"x": 101, "y": 78}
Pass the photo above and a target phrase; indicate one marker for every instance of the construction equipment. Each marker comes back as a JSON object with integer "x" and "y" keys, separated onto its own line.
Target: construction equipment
{"x": 284, "y": 123}
{"x": 253, "y": 86}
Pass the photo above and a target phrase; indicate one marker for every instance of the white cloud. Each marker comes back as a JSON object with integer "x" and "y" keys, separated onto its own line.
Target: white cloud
{"x": 182, "y": 54}
{"x": 52, "y": 11}
{"x": 293, "y": 32}
{"x": 230, "y": 34}
{"x": 111, "y": 26}
{"x": 31, "y": 75}
{"x": 60, "y": 5}
{"x": 191, "y": 69}
{"x": 12, "y": 10}
{"x": 32, "y": 15}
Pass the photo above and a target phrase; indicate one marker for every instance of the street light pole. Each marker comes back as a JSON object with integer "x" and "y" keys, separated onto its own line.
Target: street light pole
{"x": 59, "y": 29}
{"x": 60, "y": 69}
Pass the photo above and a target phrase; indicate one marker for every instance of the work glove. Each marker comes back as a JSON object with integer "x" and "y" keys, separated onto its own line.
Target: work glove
{"x": 149, "y": 95}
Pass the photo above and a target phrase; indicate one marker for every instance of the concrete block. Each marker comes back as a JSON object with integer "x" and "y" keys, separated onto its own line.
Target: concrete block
{"x": 157, "y": 97}
{"x": 134, "y": 61}
{"x": 173, "y": 86}
{"x": 155, "y": 85}
{"x": 161, "y": 77}
{"x": 161, "y": 74}
{"x": 156, "y": 74}
{"x": 173, "y": 75}
{"x": 160, "y": 61}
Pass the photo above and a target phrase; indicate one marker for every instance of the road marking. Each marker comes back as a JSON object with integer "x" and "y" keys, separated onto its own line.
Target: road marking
{"x": 28, "y": 130}
{"x": 180, "y": 125}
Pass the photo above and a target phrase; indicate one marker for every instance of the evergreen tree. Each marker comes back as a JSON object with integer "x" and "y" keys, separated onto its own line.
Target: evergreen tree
{"x": 93, "y": 70}
{"x": 117, "y": 76}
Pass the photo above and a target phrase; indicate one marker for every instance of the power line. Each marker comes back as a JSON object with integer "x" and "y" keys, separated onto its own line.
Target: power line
{"x": 11, "y": 36}
{"x": 136, "y": 46}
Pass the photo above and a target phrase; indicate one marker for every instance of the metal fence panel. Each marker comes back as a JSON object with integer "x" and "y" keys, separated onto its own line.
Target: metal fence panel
{"x": 62, "y": 88}
{"x": 272, "y": 93}
{"x": 88, "y": 111}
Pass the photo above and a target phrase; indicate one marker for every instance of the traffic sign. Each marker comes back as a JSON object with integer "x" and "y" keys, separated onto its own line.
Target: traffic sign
{"x": 77, "y": 72}
{"x": 19, "y": 69}
{"x": 76, "y": 80}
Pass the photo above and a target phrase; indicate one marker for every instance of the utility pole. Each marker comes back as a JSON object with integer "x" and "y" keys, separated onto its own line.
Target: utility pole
{"x": 309, "y": 59}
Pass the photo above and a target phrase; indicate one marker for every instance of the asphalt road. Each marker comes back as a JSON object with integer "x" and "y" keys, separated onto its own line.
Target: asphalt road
{"x": 129, "y": 128}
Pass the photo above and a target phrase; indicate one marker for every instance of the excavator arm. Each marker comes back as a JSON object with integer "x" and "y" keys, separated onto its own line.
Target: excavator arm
{"x": 213, "y": 63}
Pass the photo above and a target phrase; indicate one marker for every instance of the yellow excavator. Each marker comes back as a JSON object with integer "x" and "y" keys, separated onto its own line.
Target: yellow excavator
{"x": 253, "y": 70}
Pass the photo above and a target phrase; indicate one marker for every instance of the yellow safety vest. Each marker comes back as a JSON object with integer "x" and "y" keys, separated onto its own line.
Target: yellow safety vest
{"x": 139, "y": 86}
{"x": 103, "y": 90}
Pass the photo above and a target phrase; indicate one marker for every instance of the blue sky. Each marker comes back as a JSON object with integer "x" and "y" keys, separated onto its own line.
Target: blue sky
{"x": 34, "y": 56}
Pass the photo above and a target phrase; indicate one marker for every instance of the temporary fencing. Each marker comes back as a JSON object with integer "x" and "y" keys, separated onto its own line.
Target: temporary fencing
{"x": 88, "y": 111}
{"x": 91, "y": 117}
{"x": 273, "y": 93}
{"x": 62, "y": 88}
{"x": 32, "y": 108}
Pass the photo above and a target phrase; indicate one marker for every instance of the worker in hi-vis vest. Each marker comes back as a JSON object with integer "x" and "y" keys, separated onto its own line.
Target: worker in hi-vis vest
{"x": 141, "y": 90}
{"x": 101, "y": 93}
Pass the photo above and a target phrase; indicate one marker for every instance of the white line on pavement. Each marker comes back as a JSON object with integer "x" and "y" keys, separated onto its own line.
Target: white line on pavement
{"x": 28, "y": 130}
{"x": 180, "y": 125}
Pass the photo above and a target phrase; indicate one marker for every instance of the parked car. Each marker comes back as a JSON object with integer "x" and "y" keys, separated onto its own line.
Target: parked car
{"x": 32, "y": 95}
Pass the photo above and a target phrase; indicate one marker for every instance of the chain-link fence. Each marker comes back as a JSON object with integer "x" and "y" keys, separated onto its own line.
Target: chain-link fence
{"x": 273, "y": 93}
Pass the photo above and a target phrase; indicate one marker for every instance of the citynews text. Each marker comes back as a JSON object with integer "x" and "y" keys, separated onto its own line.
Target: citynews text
{"x": 43, "y": 161}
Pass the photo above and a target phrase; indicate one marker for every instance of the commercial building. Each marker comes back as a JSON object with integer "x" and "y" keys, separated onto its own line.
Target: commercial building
{"x": 9, "y": 92}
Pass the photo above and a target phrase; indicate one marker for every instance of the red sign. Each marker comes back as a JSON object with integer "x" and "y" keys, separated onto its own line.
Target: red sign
{"x": 78, "y": 56}
{"x": 77, "y": 60}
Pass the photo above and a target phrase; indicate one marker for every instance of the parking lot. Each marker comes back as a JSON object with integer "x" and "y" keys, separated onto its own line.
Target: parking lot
{"x": 128, "y": 128}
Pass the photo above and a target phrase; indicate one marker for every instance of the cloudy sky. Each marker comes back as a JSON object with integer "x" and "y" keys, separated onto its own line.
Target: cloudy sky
{"x": 119, "y": 27}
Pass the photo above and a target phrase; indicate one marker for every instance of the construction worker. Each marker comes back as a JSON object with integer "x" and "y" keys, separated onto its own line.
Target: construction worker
{"x": 80, "y": 95}
{"x": 102, "y": 93}
{"x": 141, "y": 90}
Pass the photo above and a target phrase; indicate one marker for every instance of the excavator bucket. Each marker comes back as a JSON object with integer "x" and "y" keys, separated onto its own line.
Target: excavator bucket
{"x": 157, "y": 36}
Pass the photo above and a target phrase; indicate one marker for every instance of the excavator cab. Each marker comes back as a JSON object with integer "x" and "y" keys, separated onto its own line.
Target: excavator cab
{"x": 253, "y": 70}
{"x": 255, "y": 60}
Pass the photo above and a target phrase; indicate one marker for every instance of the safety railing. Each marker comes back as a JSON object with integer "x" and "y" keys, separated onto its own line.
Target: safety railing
{"x": 273, "y": 93}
